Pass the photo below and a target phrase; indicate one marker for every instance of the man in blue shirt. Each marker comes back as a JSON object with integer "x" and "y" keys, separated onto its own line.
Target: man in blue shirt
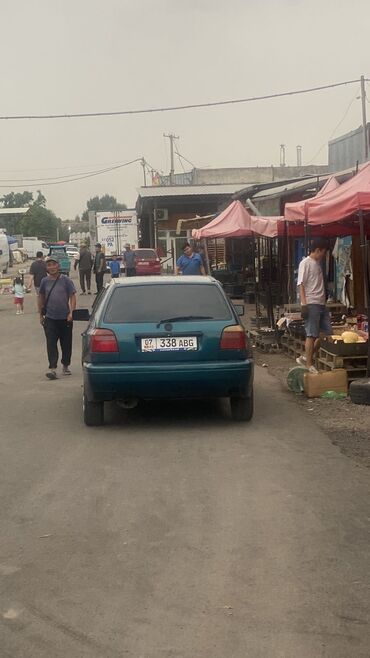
{"x": 190, "y": 262}
{"x": 57, "y": 301}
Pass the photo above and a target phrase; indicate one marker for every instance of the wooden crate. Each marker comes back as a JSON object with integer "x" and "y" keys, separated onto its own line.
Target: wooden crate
{"x": 355, "y": 366}
{"x": 292, "y": 346}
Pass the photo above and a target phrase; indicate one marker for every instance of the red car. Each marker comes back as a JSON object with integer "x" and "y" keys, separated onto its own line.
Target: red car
{"x": 147, "y": 262}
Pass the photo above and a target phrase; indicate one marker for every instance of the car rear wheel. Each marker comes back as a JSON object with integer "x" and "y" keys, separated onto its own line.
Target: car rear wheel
{"x": 93, "y": 412}
{"x": 241, "y": 408}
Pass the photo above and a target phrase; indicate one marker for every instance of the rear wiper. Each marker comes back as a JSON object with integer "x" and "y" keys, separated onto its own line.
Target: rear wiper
{"x": 185, "y": 317}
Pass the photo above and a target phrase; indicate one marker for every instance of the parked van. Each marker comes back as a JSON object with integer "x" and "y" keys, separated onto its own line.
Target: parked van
{"x": 4, "y": 253}
{"x": 33, "y": 245}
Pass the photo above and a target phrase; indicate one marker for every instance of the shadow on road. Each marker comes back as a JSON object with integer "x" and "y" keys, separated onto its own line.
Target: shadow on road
{"x": 170, "y": 413}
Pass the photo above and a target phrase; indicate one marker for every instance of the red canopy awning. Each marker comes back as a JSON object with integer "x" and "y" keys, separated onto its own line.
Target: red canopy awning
{"x": 236, "y": 222}
{"x": 343, "y": 202}
{"x": 296, "y": 211}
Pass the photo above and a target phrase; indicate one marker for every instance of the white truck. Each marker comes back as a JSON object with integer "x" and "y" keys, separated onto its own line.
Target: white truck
{"x": 114, "y": 230}
{"x": 33, "y": 245}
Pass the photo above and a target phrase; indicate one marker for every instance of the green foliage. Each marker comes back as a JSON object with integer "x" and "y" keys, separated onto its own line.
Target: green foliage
{"x": 17, "y": 199}
{"x": 38, "y": 220}
{"x": 41, "y": 222}
{"x": 100, "y": 204}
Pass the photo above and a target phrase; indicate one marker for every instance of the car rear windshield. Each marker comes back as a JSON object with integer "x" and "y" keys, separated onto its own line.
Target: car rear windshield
{"x": 152, "y": 303}
{"x": 145, "y": 253}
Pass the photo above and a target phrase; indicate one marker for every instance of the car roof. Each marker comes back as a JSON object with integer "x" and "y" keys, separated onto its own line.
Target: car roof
{"x": 163, "y": 279}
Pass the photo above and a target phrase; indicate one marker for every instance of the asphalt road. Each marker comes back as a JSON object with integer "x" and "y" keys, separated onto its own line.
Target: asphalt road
{"x": 172, "y": 532}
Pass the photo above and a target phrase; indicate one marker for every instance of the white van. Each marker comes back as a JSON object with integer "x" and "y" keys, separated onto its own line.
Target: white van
{"x": 4, "y": 253}
{"x": 33, "y": 245}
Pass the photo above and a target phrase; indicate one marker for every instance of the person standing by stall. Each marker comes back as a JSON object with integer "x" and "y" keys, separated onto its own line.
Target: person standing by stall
{"x": 190, "y": 263}
{"x": 313, "y": 301}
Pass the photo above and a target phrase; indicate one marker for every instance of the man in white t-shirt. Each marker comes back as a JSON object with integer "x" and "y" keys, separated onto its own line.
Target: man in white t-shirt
{"x": 313, "y": 300}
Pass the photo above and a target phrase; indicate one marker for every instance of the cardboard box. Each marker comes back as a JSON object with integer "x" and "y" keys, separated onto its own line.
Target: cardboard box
{"x": 334, "y": 380}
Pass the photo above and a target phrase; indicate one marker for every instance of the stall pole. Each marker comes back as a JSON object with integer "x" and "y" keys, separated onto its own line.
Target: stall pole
{"x": 204, "y": 242}
{"x": 365, "y": 265}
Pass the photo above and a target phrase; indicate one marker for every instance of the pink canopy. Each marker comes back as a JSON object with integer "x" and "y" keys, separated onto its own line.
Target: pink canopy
{"x": 343, "y": 202}
{"x": 295, "y": 212}
{"x": 236, "y": 222}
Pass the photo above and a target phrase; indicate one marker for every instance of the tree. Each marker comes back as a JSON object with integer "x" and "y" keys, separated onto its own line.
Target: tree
{"x": 17, "y": 199}
{"x": 14, "y": 200}
{"x": 41, "y": 222}
{"x": 101, "y": 204}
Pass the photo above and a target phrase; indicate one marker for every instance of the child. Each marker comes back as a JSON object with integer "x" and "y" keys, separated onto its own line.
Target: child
{"x": 115, "y": 267}
{"x": 19, "y": 292}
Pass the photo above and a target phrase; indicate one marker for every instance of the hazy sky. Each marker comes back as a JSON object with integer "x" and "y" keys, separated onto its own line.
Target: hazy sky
{"x": 88, "y": 55}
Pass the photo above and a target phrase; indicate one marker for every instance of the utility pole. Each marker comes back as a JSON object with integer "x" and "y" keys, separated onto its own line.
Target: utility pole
{"x": 364, "y": 123}
{"x": 143, "y": 164}
{"x": 172, "y": 138}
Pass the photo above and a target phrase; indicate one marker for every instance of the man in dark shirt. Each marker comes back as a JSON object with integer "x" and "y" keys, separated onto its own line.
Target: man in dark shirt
{"x": 84, "y": 263}
{"x": 57, "y": 301}
{"x": 99, "y": 267}
{"x": 37, "y": 272}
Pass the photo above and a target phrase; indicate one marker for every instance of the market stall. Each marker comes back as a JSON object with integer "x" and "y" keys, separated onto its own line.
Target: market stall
{"x": 343, "y": 210}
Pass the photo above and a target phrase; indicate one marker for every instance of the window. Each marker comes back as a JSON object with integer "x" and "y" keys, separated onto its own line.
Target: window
{"x": 155, "y": 302}
{"x": 145, "y": 253}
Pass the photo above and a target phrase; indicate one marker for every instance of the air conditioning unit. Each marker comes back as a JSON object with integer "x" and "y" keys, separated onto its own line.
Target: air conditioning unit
{"x": 162, "y": 214}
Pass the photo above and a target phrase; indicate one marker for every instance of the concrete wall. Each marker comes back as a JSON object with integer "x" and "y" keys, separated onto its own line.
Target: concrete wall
{"x": 250, "y": 175}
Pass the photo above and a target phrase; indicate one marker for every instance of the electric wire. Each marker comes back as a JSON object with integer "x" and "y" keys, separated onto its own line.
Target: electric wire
{"x": 335, "y": 129}
{"x": 75, "y": 178}
{"x": 174, "y": 108}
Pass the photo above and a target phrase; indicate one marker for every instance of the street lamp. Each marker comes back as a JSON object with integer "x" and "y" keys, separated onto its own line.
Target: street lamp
{"x": 69, "y": 234}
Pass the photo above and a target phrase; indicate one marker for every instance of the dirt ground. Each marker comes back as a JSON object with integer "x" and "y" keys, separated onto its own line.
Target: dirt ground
{"x": 347, "y": 425}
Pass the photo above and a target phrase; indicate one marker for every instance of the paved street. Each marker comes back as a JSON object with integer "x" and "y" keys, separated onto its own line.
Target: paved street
{"x": 172, "y": 532}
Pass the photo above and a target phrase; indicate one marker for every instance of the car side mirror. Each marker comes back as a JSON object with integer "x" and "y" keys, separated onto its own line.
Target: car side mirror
{"x": 239, "y": 308}
{"x": 81, "y": 314}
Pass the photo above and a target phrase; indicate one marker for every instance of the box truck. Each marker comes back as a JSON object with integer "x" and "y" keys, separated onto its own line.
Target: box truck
{"x": 114, "y": 230}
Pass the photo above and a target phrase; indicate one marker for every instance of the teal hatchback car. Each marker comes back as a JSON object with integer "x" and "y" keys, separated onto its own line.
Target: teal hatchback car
{"x": 164, "y": 338}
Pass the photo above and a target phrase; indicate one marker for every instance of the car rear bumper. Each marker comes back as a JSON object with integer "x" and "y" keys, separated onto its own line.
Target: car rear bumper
{"x": 179, "y": 380}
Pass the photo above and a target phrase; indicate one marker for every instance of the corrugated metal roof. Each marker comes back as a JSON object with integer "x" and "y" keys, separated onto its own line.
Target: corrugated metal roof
{"x": 187, "y": 190}
{"x": 14, "y": 211}
{"x": 288, "y": 187}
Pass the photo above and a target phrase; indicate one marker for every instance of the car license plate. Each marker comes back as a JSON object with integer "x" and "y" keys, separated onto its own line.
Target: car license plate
{"x": 170, "y": 344}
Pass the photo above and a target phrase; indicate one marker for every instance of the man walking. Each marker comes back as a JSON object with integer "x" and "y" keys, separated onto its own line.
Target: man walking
{"x": 57, "y": 301}
{"x": 99, "y": 267}
{"x": 190, "y": 263}
{"x": 129, "y": 260}
{"x": 84, "y": 264}
{"x": 313, "y": 301}
{"x": 37, "y": 272}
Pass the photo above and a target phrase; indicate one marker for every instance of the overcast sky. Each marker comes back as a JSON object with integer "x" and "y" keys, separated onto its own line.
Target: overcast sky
{"x": 65, "y": 56}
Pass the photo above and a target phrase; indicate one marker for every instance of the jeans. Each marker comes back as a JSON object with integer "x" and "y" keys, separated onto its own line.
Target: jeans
{"x": 99, "y": 278}
{"x": 130, "y": 271}
{"x": 58, "y": 330}
{"x": 318, "y": 321}
{"x": 85, "y": 276}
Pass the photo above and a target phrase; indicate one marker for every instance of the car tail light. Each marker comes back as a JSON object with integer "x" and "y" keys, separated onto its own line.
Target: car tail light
{"x": 233, "y": 338}
{"x": 103, "y": 340}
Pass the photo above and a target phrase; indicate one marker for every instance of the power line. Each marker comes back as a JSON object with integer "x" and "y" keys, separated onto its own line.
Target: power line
{"x": 174, "y": 108}
{"x": 76, "y": 178}
{"x": 185, "y": 159}
{"x": 335, "y": 129}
